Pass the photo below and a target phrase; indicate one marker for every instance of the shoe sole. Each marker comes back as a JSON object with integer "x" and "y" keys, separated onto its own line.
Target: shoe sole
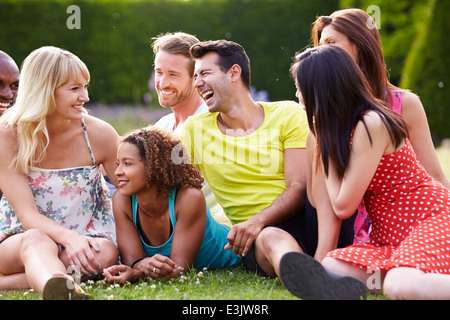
{"x": 307, "y": 279}
{"x": 62, "y": 288}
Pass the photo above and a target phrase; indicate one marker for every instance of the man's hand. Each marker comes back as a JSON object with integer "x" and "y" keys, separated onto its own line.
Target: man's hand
{"x": 242, "y": 235}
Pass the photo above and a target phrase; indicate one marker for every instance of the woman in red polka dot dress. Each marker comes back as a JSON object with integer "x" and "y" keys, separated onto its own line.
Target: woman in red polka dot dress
{"x": 408, "y": 255}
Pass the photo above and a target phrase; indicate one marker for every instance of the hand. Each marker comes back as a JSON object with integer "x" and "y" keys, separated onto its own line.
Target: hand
{"x": 158, "y": 266}
{"x": 121, "y": 273}
{"x": 242, "y": 235}
{"x": 81, "y": 252}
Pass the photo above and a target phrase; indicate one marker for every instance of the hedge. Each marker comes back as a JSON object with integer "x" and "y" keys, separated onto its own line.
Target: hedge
{"x": 115, "y": 36}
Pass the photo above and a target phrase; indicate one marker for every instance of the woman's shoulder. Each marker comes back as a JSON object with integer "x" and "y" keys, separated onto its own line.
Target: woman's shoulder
{"x": 100, "y": 132}
{"x": 94, "y": 123}
{"x": 410, "y": 98}
{"x": 122, "y": 205}
{"x": 189, "y": 193}
{"x": 190, "y": 199}
{"x": 373, "y": 123}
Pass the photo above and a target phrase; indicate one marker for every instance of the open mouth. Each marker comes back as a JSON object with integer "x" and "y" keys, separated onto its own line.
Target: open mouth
{"x": 166, "y": 92}
{"x": 121, "y": 183}
{"x": 4, "y": 106}
{"x": 207, "y": 95}
{"x": 78, "y": 107}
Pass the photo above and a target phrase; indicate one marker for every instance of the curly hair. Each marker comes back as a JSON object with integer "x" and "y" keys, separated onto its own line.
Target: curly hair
{"x": 156, "y": 148}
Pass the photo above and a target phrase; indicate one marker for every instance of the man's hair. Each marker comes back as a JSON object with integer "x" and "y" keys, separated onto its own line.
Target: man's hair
{"x": 230, "y": 53}
{"x": 176, "y": 43}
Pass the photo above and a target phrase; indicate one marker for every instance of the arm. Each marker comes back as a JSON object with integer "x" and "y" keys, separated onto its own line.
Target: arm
{"x": 104, "y": 140}
{"x": 329, "y": 225}
{"x": 128, "y": 240}
{"x": 285, "y": 206}
{"x": 190, "y": 212}
{"x": 346, "y": 193}
{"x": 131, "y": 249}
{"x": 414, "y": 115}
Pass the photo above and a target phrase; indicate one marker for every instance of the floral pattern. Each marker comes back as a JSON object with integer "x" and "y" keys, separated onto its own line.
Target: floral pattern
{"x": 76, "y": 198}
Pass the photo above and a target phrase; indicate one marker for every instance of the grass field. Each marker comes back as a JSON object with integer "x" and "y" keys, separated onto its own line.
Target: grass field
{"x": 228, "y": 284}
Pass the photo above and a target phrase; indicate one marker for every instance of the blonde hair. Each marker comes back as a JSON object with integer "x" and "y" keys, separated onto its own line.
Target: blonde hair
{"x": 44, "y": 70}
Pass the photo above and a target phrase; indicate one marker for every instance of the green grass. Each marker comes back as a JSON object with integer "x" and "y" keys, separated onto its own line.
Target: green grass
{"x": 224, "y": 284}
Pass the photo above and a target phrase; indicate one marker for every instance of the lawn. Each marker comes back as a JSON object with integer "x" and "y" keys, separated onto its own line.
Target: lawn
{"x": 225, "y": 284}
{"x": 198, "y": 285}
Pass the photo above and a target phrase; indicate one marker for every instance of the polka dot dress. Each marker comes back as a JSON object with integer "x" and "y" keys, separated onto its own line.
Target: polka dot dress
{"x": 410, "y": 214}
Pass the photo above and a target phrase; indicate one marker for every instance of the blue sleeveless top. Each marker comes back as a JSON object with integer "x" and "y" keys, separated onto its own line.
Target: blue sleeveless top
{"x": 211, "y": 254}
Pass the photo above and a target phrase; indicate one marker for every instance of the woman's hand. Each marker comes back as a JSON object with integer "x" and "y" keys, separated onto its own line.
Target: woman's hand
{"x": 158, "y": 266}
{"x": 81, "y": 252}
{"x": 121, "y": 274}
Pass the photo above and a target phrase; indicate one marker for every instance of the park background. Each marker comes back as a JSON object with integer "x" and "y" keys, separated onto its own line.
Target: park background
{"x": 113, "y": 37}
{"x": 114, "y": 40}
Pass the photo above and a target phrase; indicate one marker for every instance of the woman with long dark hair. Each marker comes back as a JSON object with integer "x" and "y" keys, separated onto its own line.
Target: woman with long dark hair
{"x": 364, "y": 150}
{"x": 355, "y": 31}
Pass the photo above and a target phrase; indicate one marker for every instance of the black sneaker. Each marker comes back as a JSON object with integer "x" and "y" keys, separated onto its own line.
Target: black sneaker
{"x": 307, "y": 279}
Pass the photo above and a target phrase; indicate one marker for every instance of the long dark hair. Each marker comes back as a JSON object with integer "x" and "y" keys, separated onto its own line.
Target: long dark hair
{"x": 359, "y": 27}
{"x": 336, "y": 97}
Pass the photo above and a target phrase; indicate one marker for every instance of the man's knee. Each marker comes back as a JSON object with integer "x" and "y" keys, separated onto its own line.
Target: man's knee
{"x": 275, "y": 238}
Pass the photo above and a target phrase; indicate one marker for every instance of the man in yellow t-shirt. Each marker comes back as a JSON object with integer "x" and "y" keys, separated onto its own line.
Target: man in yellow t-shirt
{"x": 246, "y": 173}
{"x": 252, "y": 155}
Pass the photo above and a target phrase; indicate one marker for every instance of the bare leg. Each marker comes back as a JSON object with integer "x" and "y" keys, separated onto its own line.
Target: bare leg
{"x": 414, "y": 284}
{"x": 31, "y": 253}
{"x": 372, "y": 278}
{"x": 270, "y": 245}
{"x": 14, "y": 281}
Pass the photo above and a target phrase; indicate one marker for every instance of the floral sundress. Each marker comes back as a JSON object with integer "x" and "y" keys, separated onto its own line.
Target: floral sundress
{"x": 75, "y": 198}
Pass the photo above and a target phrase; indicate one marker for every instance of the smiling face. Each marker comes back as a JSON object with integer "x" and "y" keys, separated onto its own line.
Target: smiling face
{"x": 172, "y": 79}
{"x": 211, "y": 82}
{"x": 9, "y": 83}
{"x": 70, "y": 98}
{"x": 332, "y": 37}
{"x": 130, "y": 172}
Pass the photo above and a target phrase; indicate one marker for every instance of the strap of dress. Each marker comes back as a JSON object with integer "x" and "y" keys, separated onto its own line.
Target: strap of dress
{"x": 396, "y": 100}
{"x": 87, "y": 140}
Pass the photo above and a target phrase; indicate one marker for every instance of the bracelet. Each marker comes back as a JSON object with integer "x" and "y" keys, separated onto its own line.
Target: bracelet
{"x": 136, "y": 261}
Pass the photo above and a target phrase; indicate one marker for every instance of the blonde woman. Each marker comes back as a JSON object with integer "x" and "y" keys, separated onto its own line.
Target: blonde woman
{"x": 55, "y": 214}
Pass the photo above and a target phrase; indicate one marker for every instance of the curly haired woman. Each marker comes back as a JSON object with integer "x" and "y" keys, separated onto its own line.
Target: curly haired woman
{"x": 163, "y": 224}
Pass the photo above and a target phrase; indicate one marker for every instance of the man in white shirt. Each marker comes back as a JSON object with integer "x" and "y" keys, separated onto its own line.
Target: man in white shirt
{"x": 174, "y": 83}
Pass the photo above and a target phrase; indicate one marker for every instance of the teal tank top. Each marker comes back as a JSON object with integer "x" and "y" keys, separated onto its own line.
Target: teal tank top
{"x": 211, "y": 254}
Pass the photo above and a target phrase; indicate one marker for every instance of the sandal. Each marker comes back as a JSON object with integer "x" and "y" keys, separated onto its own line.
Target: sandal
{"x": 307, "y": 279}
{"x": 63, "y": 288}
